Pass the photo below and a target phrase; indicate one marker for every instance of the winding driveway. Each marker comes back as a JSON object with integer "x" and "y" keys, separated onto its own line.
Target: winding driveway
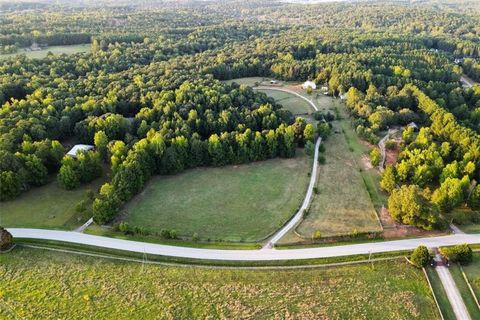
{"x": 308, "y": 196}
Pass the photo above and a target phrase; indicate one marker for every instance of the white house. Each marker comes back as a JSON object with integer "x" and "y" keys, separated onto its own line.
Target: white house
{"x": 79, "y": 147}
{"x": 310, "y": 84}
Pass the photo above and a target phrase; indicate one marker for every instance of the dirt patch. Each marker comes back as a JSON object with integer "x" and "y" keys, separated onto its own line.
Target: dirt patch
{"x": 366, "y": 162}
{"x": 393, "y": 229}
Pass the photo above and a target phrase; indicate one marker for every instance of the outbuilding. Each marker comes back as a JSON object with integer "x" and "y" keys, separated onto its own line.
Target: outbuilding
{"x": 78, "y": 148}
{"x": 310, "y": 84}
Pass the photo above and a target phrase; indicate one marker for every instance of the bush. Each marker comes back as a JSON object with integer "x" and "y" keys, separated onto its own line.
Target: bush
{"x": 124, "y": 227}
{"x": 321, "y": 149}
{"x": 321, "y": 159}
{"x": 375, "y": 157}
{"x": 391, "y": 144}
{"x": 6, "y": 239}
{"x": 317, "y": 235}
{"x": 461, "y": 253}
{"x": 461, "y": 217}
{"x": 420, "y": 257}
{"x": 309, "y": 148}
{"x": 315, "y": 190}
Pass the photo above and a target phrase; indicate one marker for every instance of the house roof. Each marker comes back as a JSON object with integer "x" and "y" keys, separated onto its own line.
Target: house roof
{"x": 79, "y": 147}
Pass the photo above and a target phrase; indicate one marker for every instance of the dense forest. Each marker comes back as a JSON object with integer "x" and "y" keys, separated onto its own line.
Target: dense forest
{"x": 149, "y": 95}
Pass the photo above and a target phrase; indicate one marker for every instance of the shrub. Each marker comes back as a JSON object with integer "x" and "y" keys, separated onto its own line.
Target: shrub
{"x": 195, "y": 237}
{"x": 321, "y": 148}
{"x": 6, "y": 239}
{"x": 461, "y": 253}
{"x": 461, "y": 217}
{"x": 309, "y": 148}
{"x": 173, "y": 234}
{"x": 124, "y": 227}
{"x": 420, "y": 257}
{"x": 321, "y": 159}
{"x": 317, "y": 235}
{"x": 315, "y": 190}
{"x": 375, "y": 157}
{"x": 391, "y": 144}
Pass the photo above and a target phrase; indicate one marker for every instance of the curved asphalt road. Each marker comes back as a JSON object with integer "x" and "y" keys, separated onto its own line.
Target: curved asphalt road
{"x": 242, "y": 255}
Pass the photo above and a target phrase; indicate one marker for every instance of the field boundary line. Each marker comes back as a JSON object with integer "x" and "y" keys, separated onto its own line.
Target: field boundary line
{"x": 433, "y": 292}
{"x": 469, "y": 286}
{"x": 202, "y": 266}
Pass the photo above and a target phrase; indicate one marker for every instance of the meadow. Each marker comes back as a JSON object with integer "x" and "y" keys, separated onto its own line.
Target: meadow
{"x": 234, "y": 203}
{"x": 343, "y": 204}
{"x": 48, "y": 206}
{"x": 56, "y": 50}
{"x": 79, "y": 287}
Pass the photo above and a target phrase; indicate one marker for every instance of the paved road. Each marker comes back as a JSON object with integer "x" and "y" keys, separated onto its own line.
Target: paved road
{"x": 246, "y": 255}
{"x": 451, "y": 289}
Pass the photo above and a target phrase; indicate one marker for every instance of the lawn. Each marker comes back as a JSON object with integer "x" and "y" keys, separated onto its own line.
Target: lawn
{"x": 343, "y": 203}
{"x": 56, "y": 50}
{"x": 467, "y": 296}
{"x": 248, "y": 81}
{"x": 65, "y": 286}
{"x": 48, "y": 206}
{"x": 473, "y": 274}
{"x": 234, "y": 203}
{"x": 289, "y": 101}
{"x": 440, "y": 294}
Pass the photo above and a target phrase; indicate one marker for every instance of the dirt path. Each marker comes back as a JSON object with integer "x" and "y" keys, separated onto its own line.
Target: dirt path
{"x": 466, "y": 81}
{"x": 381, "y": 146}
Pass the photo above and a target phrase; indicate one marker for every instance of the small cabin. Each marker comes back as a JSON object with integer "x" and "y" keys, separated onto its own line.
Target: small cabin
{"x": 78, "y": 148}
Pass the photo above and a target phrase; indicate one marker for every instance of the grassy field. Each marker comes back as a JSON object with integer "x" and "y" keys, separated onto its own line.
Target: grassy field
{"x": 473, "y": 273}
{"x": 440, "y": 294}
{"x": 234, "y": 203}
{"x": 248, "y": 81}
{"x": 56, "y": 50}
{"x": 289, "y": 101}
{"x": 48, "y": 206}
{"x": 343, "y": 203}
{"x": 465, "y": 292}
{"x": 76, "y": 287}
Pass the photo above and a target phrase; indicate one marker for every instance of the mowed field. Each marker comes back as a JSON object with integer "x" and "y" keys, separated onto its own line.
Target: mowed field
{"x": 289, "y": 101}
{"x": 234, "y": 203}
{"x": 48, "y": 206}
{"x": 56, "y": 50}
{"x": 65, "y": 286}
{"x": 343, "y": 203}
{"x": 473, "y": 274}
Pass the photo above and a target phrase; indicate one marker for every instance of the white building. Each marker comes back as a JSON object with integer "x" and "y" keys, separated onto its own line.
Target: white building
{"x": 79, "y": 147}
{"x": 310, "y": 84}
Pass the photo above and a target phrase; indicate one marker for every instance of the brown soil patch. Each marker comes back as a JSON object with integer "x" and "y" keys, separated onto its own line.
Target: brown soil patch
{"x": 366, "y": 162}
{"x": 393, "y": 229}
